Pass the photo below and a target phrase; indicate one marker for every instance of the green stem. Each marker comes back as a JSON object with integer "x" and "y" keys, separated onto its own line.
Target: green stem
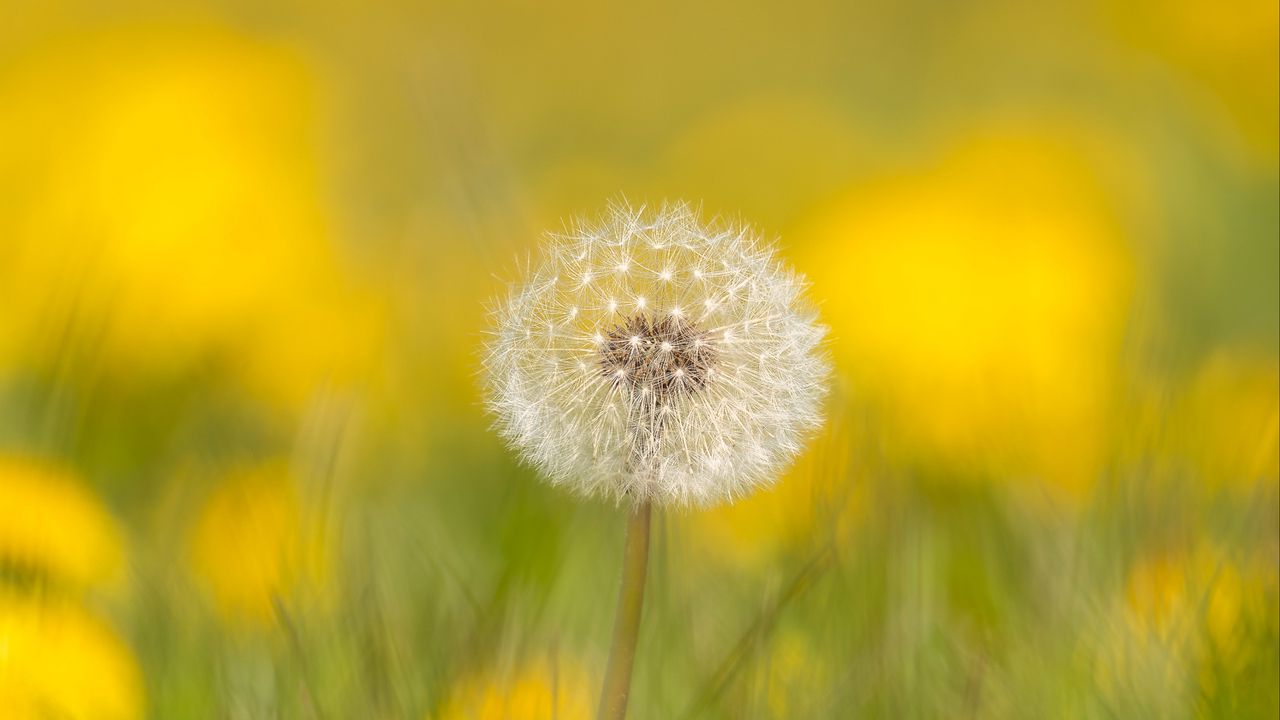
{"x": 626, "y": 626}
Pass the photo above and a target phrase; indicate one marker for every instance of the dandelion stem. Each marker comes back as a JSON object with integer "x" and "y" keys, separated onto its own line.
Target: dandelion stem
{"x": 626, "y": 626}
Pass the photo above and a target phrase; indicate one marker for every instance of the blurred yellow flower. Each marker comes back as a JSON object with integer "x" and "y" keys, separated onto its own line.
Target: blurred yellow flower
{"x": 52, "y": 525}
{"x": 180, "y": 217}
{"x": 538, "y": 691}
{"x": 58, "y": 661}
{"x": 1174, "y": 597}
{"x": 255, "y": 545}
{"x": 1156, "y": 594}
{"x": 979, "y": 305}
{"x": 1181, "y": 610}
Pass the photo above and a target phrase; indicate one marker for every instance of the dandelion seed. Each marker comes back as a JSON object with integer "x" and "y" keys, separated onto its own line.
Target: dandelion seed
{"x": 667, "y": 425}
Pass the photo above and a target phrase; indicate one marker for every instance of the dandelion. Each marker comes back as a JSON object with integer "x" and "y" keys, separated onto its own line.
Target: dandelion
{"x": 54, "y": 527}
{"x": 980, "y": 305}
{"x": 651, "y": 359}
{"x": 1180, "y": 627}
{"x": 59, "y": 660}
{"x": 549, "y": 689}
{"x": 253, "y": 547}
{"x": 163, "y": 181}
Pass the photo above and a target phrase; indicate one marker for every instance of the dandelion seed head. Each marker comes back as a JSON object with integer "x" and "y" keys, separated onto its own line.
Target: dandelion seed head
{"x": 646, "y": 401}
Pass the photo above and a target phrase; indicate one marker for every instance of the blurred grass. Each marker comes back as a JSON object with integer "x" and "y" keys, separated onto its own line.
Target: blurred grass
{"x": 244, "y": 470}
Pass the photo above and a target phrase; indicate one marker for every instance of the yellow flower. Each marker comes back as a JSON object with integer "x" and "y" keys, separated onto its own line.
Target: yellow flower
{"x": 1173, "y": 597}
{"x": 168, "y": 208}
{"x": 538, "y": 691}
{"x": 58, "y": 661}
{"x": 51, "y": 524}
{"x": 1156, "y": 596}
{"x": 253, "y": 545}
{"x": 1180, "y": 610}
{"x": 979, "y": 305}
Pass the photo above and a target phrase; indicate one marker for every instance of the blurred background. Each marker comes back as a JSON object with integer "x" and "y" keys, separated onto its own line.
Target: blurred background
{"x": 245, "y": 470}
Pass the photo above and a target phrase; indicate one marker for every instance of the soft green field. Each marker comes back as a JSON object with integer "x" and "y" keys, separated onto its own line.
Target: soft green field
{"x": 245, "y": 250}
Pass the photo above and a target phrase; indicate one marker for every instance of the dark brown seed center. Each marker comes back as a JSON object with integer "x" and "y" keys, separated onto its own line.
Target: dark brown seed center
{"x": 666, "y": 358}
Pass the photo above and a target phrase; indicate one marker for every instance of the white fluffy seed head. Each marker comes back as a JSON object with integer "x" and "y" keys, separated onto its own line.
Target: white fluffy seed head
{"x": 650, "y": 357}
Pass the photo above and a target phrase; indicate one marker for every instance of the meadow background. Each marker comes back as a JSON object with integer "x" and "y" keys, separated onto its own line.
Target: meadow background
{"x": 245, "y": 471}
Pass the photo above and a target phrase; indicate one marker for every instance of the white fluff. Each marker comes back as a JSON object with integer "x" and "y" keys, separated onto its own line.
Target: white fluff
{"x": 723, "y": 418}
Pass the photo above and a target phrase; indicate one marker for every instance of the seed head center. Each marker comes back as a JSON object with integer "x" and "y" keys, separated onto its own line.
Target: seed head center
{"x": 662, "y": 359}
